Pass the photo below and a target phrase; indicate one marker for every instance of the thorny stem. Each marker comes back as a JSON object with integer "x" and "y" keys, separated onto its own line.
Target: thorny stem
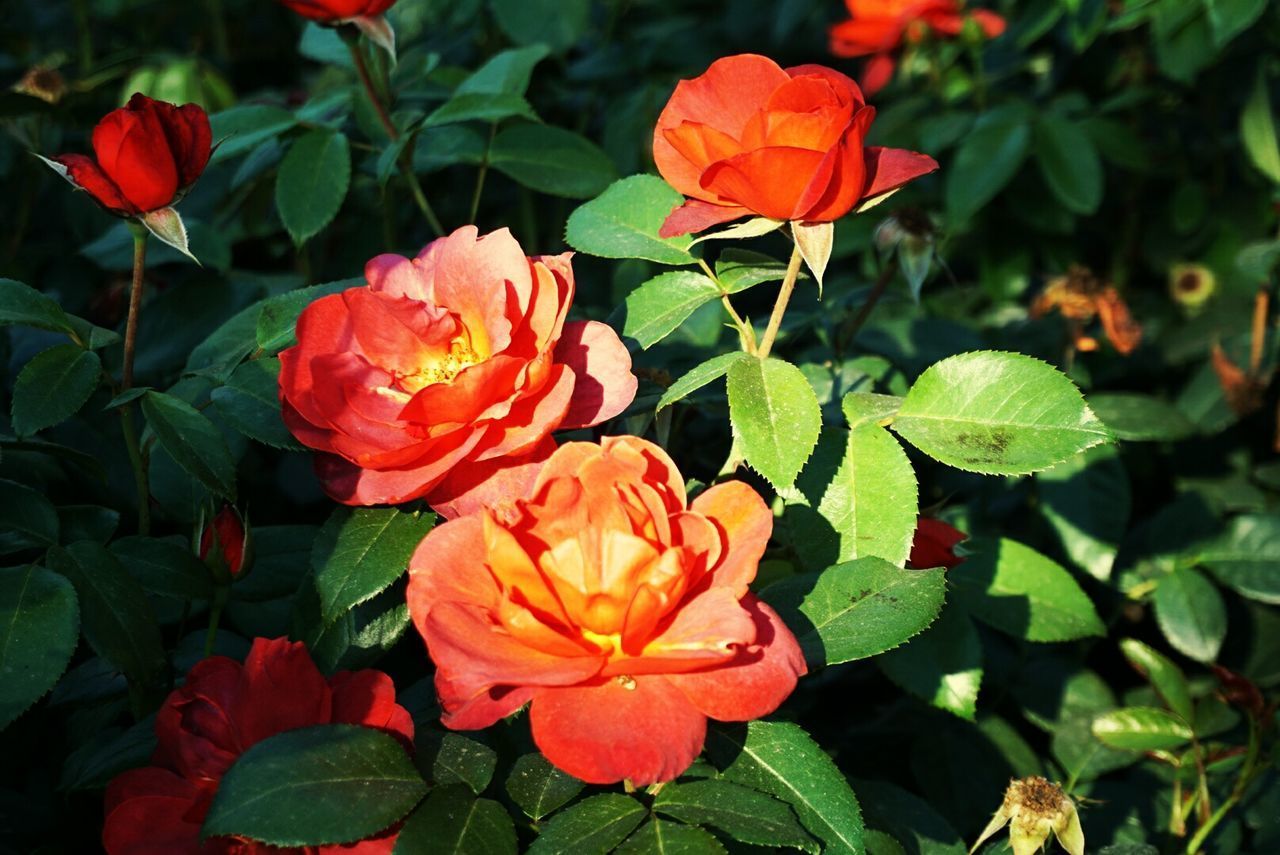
{"x": 780, "y": 307}
{"x": 851, "y": 327}
{"x": 128, "y": 426}
{"x": 406, "y": 170}
{"x": 1247, "y": 774}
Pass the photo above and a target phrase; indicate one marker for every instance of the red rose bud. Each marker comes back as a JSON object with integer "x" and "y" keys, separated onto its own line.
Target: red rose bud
{"x": 934, "y": 544}
{"x": 224, "y": 543}
{"x": 366, "y": 15}
{"x": 146, "y": 156}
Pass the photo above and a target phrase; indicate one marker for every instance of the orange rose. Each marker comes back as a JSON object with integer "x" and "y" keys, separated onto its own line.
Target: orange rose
{"x": 614, "y": 606}
{"x": 877, "y": 27}
{"x": 749, "y": 137}
{"x": 446, "y": 375}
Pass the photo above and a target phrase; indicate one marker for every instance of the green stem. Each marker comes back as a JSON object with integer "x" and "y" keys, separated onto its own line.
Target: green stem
{"x": 127, "y": 423}
{"x": 746, "y": 335}
{"x": 780, "y": 306}
{"x": 1247, "y": 773}
{"x": 482, "y": 174}
{"x": 851, "y": 327}
{"x": 220, "y": 596}
{"x": 404, "y": 163}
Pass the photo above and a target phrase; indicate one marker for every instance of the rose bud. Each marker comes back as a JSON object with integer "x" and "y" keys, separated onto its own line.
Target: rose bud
{"x": 147, "y": 155}
{"x": 222, "y": 709}
{"x": 225, "y": 544}
{"x": 749, "y": 137}
{"x": 1034, "y": 808}
{"x": 444, "y": 377}
{"x": 611, "y": 604}
{"x": 366, "y": 15}
{"x": 934, "y": 545}
{"x": 878, "y": 27}
{"x": 1191, "y": 285}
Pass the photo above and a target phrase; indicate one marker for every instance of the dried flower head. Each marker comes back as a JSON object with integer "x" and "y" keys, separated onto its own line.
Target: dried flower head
{"x": 1080, "y": 296}
{"x": 1033, "y": 809}
{"x": 42, "y": 82}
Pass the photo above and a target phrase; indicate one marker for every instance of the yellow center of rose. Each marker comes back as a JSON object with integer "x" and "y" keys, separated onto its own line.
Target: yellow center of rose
{"x": 441, "y": 369}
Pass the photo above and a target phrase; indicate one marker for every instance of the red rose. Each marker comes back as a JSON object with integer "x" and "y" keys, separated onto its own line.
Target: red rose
{"x": 749, "y": 137}
{"x": 446, "y": 375}
{"x": 617, "y": 608}
{"x": 878, "y": 27}
{"x": 934, "y": 545}
{"x": 335, "y": 11}
{"x": 225, "y": 539}
{"x": 147, "y": 156}
{"x": 221, "y": 710}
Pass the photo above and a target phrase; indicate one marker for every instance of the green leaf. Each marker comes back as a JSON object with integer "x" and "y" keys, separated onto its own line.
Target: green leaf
{"x": 1191, "y": 614}
{"x": 699, "y": 376}
{"x": 1162, "y": 673}
{"x": 508, "y": 71}
{"x": 742, "y": 813}
{"x": 1229, "y": 18}
{"x": 552, "y": 160}
{"x": 39, "y": 628}
{"x": 334, "y": 783}
{"x": 858, "y": 609}
{"x": 480, "y": 107}
{"x": 595, "y": 824}
{"x": 1246, "y": 558}
{"x": 27, "y": 519}
{"x": 242, "y": 129}
{"x": 312, "y": 182}
{"x": 556, "y": 23}
{"x": 1258, "y": 129}
{"x": 279, "y": 314}
{"x": 1137, "y": 417}
{"x": 115, "y": 615}
{"x": 192, "y": 441}
{"x": 986, "y": 161}
{"x": 1086, "y": 500}
{"x": 655, "y": 309}
{"x": 657, "y": 837}
{"x": 250, "y": 403}
{"x": 871, "y": 501}
{"x": 909, "y": 818}
{"x": 623, "y": 222}
{"x": 997, "y": 413}
{"x": 942, "y": 665}
{"x": 361, "y": 551}
{"x": 775, "y": 415}
{"x": 166, "y": 568}
{"x": 1069, "y": 162}
{"x": 1141, "y": 729}
{"x": 869, "y": 408}
{"x": 452, "y": 821}
{"x": 53, "y": 386}
{"x": 779, "y": 758}
{"x": 25, "y": 306}
{"x": 462, "y": 760}
{"x": 539, "y": 788}
{"x": 96, "y": 762}
{"x": 1017, "y": 590}
{"x": 739, "y": 269}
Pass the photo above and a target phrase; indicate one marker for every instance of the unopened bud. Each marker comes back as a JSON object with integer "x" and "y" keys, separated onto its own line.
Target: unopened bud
{"x": 224, "y": 544}
{"x": 1191, "y": 285}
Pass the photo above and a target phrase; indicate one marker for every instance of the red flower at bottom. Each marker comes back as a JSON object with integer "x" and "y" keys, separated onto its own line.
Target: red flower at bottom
{"x": 223, "y": 709}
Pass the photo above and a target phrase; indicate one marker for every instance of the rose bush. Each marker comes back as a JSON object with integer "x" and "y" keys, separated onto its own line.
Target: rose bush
{"x": 616, "y": 608}
{"x": 222, "y": 710}
{"x": 749, "y": 137}
{"x": 446, "y": 374}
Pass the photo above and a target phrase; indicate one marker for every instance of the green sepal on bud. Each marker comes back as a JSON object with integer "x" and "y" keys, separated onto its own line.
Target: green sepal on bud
{"x": 1034, "y": 809}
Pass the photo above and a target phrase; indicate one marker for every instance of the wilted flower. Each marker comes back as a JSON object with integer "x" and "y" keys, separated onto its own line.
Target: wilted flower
{"x": 1033, "y": 809}
{"x": 1080, "y": 297}
{"x": 1191, "y": 285}
{"x": 44, "y": 83}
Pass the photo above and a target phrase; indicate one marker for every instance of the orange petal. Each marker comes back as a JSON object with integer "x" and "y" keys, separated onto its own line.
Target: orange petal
{"x": 745, "y": 524}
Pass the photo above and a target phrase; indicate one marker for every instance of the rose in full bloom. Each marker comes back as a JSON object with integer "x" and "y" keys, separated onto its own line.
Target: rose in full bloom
{"x": 877, "y": 27}
{"x": 934, "y": 545}
{"x": 446, "y": 375}
{"x": 338, "y": 11}
{"x": 224, "y": 540}
{"x": 749, "y": 137}
{"x": 619, "y": 610}
{"x": 221, "y": 710}
{"x": 146, "y": 156}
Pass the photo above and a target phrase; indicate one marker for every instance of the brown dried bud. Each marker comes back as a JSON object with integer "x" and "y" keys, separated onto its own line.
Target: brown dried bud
{"x": 43, "y": 83}
{"x": 1033, "y": 809}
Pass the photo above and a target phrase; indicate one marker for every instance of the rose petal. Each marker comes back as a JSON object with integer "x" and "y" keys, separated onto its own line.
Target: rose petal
{"x": 890, "y": 168}
{"x": 280, "y": 689}
{"x": 745, "y": 525}
{"x": 604, "y": 385}
{"x": 473, "y": 485}
{"x": 695, "y": 216}
{"x": 89, "y": 177}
